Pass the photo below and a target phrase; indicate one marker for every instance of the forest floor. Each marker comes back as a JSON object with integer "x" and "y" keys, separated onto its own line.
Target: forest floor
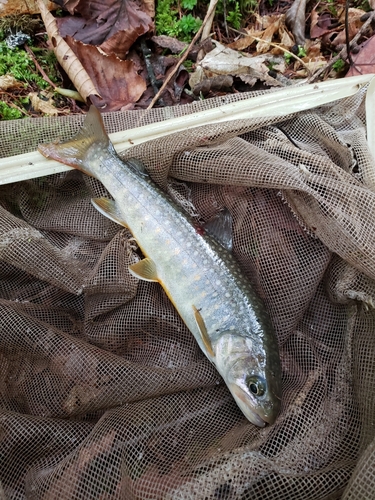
{"x": 122, "y": 55}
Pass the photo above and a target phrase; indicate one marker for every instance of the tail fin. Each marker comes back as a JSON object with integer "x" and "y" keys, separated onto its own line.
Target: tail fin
{"x": 74, "y": 151}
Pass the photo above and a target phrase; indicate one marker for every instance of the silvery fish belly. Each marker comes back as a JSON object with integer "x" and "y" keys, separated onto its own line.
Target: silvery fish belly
{"x": 200, "y": 277}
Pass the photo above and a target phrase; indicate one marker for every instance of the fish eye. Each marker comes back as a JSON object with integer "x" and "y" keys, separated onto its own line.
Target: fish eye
{"x": 256, "y": 385}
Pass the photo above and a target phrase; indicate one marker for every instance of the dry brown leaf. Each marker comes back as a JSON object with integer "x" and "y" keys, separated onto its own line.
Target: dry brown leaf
{"x": 296, "y": 20}
{"x": 168, "y": 42}
{"x": 9, "y": 82}
{"x": 67, "y": 59}
{"x": 42, "y": 106}
{"x": 355, "y": 23}
{"x": 320, "y": 24}
{"x": 364, "y": 61}
{"x": 112, "y": 25}
{"x": 245, "y": 42}
{"x": 273, "y": 26}
{"x": 8, "y": 7}
{"x": 117, "y": 81}
{"x": 273, "y": 30}
{"x": 218, "y": 83}
{"x": 225, "y": 61}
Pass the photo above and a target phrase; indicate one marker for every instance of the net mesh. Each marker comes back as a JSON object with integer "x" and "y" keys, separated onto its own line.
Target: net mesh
{"x": 104, "y": 392}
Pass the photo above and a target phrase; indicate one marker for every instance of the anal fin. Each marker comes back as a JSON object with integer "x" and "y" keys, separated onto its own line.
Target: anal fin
{"x": 203, "y": 331}
{"x": 145, "y": 270}
{"x": 109, "y": 209}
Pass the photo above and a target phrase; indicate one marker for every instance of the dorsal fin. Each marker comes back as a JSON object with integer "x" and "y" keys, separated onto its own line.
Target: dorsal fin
{"x": 220, "y": 229}
{"x": 137, "y": 167}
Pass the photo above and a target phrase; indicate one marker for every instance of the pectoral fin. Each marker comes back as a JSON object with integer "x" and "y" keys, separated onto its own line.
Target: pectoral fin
{"x": 109, "y": 209}
{"x": 203, "y": 331}
{"x": 145, "y": 270}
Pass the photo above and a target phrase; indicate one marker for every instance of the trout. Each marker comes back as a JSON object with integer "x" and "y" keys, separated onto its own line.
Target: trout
{"x": 200, "y": 276}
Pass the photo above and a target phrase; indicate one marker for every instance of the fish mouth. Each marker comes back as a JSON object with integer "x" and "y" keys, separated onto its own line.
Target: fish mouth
{"x": 243, "y": 402}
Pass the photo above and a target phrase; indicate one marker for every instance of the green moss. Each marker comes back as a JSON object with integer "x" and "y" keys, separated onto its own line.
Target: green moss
{"x": 17, "y": 62}
{"x": 9, "y": 113}
{"x": 168, "y": 22}
{"x": 179, "y": 18}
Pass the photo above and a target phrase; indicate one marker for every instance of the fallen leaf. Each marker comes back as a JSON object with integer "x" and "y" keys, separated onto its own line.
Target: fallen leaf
{"x": 273, "y": 30}
{"x": 18, "y": 7}
{"x": 225, "y": 61}
{"x": 9, "y": 82}
{"x": 364, "y": 61}
{"x": 321, "y": 24}
{"x": 268, "y": 34}
{"x": 354, "y": 21}
{"x": 222, "y": 83}
{"x": 116, "y": 80}
{"x": 66, "y": 57}
{"x": 296, "y": 20}
{"x": 246, "y": 41}
{"x": 168, "y": 42}
{"x": 112, "y": 25}
{"x": 42, "y": 106}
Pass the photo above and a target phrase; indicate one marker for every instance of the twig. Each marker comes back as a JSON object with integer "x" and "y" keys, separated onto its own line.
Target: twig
{"x": 343, "y": 54}
{"x": 210, "y": 11}
{"x": 150, "y": 70}
{"x": 207, "y": 26}
{"x": 347, "y": 41}
{"x": 38, "y": 66}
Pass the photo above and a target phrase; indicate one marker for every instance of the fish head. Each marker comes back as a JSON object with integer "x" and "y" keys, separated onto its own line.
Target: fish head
{"x": 253, "y": 376}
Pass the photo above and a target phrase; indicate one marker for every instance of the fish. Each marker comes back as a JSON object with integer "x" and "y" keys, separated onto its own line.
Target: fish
{"x": 196, "y": 269}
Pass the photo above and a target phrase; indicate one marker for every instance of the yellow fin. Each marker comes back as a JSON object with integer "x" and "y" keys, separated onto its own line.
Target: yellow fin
{"x": 109, "y": 209}
{"x": 203, "y": 332}
{"x": 145, "y": 270}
